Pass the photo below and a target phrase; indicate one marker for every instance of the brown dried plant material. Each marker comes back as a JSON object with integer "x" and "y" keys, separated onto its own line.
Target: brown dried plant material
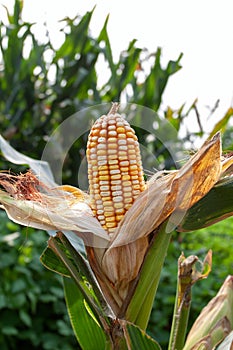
{"x": 115, "y": 257}
{"x": 178, "y": 190}
{"x": 217, "y": 314}
{"x": 23, "y": 186}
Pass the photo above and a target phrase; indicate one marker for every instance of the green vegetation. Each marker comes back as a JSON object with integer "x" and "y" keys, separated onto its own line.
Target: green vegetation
{"x": 32, "y": 308}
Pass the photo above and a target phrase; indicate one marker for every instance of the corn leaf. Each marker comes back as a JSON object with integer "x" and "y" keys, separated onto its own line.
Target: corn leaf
{"x": 222, "y": 124}
{"x": 215, "y": 206}
{"x": 86, "y": 328}
{"x": 215, "y": 320}
{"x": 149, "y": 279}
{"x": 138, "y": 339}
{"x": 51, "y": 261}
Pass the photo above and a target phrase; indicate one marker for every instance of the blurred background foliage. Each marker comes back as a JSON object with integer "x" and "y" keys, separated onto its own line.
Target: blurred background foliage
{"x": 40, "y": 87}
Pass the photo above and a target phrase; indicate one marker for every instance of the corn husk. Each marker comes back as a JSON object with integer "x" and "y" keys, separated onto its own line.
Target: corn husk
{"x": 215, "y": 321}
{"x": 176, "y": 191}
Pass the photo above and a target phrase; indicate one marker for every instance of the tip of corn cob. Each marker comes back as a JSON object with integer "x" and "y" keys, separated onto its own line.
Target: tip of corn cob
{"x": 114, "y": 168}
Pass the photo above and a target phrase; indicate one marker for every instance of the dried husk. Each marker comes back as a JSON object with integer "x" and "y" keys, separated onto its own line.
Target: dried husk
{"x": 217, "y": 315}
{"x": 49, "y": 209}
{"x": 176, "y": 191}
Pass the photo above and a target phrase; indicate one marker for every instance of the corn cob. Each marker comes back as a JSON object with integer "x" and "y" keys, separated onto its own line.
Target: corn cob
{"x": 114, "y": 168}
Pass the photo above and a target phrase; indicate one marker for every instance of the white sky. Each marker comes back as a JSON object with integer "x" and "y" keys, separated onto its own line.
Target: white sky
{"x": 201, "y": 29}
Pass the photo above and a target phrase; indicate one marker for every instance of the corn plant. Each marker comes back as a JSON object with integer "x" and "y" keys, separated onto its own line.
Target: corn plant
{"x": 110, "y": 244}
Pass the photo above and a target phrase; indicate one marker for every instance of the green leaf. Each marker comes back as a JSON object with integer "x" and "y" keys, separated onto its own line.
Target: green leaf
{"x": 190, "y": 270}
{"x": 83, "y": 277}
{"x": 222, "y": 124}
{"x": 50, "y": 260}
{"x": 138, "y": 339}
{"x": 86, "y": 328}
{"x": 215, "y": 206}
{"x": 107, "y": 50}
{"x": 25, "y": 317}
{"x": 139, "y": 309}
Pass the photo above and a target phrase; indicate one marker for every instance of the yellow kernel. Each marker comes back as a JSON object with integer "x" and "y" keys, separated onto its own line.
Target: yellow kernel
{"x": 130, "y": 133}
{"x": 116, "y": 193}
{"x": 117, "y": 199}
{"x": 120, "y": 211}
{"x": 122, "y": 153}
{"x": 112, "y": 139}
{"x": 119, "y": 217}
{"x": 125, "y": 177}
{"x": 124, "y": 169}
{"x": 104, "y": 177}
{"x": 105, "y": 193}
{"x": 92, "y": 145}
{"x": 135, "y": 182}
{"x": 118, "y": 205}
{"x": 102, "y": 167}
{"x": 132, "y": 161}
{"x": 116, "y": 188}
{"x": 110, "y": 219}
{"x": 101, "y": 152}
{"x": 114, "y": 166}
{"x": 115, "y": 177}
{"x": 115, "y": 182}
{"x": 134, "y": 172}
{"x": 124, "y": 163}
{"x": 95, "y": 132}
{"x": 112, "y": 151}
{"x": 103, "y": 172}
{"x": 112, "y": 161}
{"x": 127, "y": 194}
{"x": 101, "y": 162}
{"x": 105, "y": 188}
{"x": 126, "y": 183}
{"x": 112, "y": 146}
{"x": 106, "y": 199}
{"x": 127, "y": 189}
{"x": 133, "y": 167}
{"x": 136, "y": 193}
{"x": 121, "y": 136}
{"x": 110, "y": 224}
{"x": 109, "y": 213}
{"x": 132, "y": 154}
{"x": 112, "y": 157}
{"x": 128, "y": 200}
{"x": 120, "y": 130}
{"x": 107, "y": 204}
{"x": 131, "y": 146}
{"x": 103, "y": 182}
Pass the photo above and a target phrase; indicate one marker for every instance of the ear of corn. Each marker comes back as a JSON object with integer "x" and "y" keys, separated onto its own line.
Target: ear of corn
{"x": 114, "y": 168}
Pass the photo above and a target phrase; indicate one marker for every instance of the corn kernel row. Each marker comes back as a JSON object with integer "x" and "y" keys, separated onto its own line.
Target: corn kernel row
{"x": 114, "y": 169}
